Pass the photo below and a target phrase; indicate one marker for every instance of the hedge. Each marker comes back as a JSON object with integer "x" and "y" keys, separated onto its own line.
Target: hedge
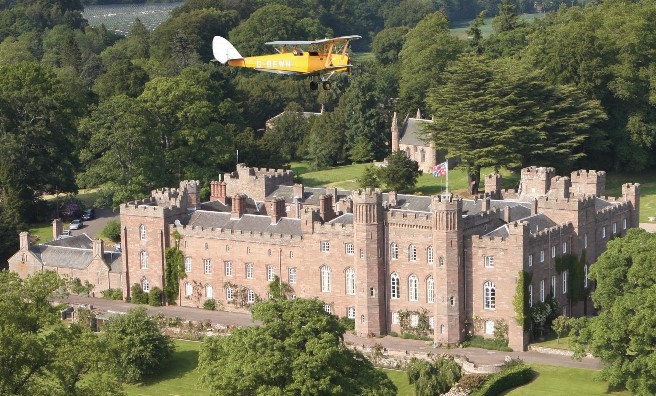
{"x": 516, "y": 374}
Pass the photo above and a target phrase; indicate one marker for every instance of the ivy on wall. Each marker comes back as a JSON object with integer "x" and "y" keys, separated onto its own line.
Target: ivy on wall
{"x": 240, "y": 295}
{"x": 520, "y": 302}
{"x": 174, "y": 270}
{"x": 574, "y": 266}
{"x": 423, "y": 325}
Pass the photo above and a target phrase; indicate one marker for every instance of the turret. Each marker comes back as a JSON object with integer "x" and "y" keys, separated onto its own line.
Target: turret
{"x": 395, "y": 133}
{"x": 631, "y": 193}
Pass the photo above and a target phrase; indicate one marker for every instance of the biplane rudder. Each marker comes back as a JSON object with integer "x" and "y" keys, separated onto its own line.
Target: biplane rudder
{"x": 224, "y": 51}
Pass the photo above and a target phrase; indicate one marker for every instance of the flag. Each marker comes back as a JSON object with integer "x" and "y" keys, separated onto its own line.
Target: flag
{"x": 440, "y": 169}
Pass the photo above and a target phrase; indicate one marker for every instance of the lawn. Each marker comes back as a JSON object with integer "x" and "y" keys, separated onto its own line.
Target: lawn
{"x": 555, "y": 380}
{"x": 43, "y": 232}
{"x": 400, "y": 379}
{"x": 647, "y": 182}
{"x": 177, "y": 377}
{"x": 550, "y": 341}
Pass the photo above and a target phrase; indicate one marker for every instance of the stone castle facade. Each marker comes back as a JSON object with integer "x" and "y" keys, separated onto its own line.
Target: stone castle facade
{"x": 389, "y": 261}
{"x": 408, "y": 137}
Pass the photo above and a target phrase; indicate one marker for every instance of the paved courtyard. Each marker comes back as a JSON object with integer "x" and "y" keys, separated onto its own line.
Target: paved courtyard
{"x": 475, "y": 355}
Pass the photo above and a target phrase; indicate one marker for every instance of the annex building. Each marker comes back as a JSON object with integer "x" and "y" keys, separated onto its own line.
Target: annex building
{"x": 387, "y": 260}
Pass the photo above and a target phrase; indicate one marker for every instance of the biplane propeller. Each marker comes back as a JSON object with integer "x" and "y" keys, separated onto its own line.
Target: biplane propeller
{"x": 315, "y": 59}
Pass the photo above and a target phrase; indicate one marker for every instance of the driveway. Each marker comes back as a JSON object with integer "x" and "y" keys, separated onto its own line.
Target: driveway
{"x": 475, "y": 355}
{"x": 93, "y": 227}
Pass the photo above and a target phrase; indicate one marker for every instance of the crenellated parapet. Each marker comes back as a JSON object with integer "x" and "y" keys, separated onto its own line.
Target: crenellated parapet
{"x": 409, "y": 219}
{"x": 588, "y": 182}
{"x": 480, "y": 218}
{"x": 256, "y": 182}
{"x": 235, "y": 235}
{"x": 367, "y": 206}
{"x": 535, "y": 180}
{"x": 571, "y": 204}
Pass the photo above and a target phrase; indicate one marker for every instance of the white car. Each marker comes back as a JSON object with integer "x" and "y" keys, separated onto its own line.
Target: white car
{"x": 75, "y": 224}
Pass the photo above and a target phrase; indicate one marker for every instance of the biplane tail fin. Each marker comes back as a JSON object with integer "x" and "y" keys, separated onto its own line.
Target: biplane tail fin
{"x": 223, "y": 50}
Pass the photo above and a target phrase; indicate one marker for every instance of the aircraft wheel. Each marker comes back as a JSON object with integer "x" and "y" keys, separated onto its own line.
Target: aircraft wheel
{"x": 314, "y": 85}
{"x": 326, "y": 85}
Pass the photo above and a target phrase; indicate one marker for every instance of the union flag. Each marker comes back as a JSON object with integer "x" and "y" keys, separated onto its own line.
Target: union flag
{"x": 441, "y": 169}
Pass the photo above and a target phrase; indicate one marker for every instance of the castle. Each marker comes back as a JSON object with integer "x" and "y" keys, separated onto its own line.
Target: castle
{"x": 392, "y": 262}
{"x": 389, "y": 261}
{"x": 409, "y": 138}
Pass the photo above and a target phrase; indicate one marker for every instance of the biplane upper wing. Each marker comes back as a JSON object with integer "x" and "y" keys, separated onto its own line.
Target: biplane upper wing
{"x": 322, "y": 41}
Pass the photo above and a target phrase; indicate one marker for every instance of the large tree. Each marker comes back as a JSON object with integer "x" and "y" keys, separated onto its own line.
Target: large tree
{"x": 297, "y": 350}
{"x": 623, "y": 333}
{"x": 135, "y": 345}
{"x": 401, "y": 172}
{"x": 38, "y": 354}
{"x": 498, "y": 113}
{"x": 427, "y": 51}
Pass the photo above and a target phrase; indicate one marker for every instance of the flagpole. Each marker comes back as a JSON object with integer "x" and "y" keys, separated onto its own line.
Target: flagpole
{"x": 447, "y": 176}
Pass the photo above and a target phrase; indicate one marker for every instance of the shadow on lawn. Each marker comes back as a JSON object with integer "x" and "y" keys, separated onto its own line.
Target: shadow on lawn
{"x": 178, "y": 366}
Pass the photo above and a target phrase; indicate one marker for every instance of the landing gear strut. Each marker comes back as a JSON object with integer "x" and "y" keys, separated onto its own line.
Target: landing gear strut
{"x": 314, "y": 85}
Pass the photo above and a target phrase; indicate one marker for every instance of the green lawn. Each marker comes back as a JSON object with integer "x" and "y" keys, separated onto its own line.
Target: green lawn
{"x": 43, "y": 232}
{"x": 647, "y": 182}
{"x": 400, "y": 379}
{"x": 554, "y": 380}
{"x": 551, "y": 341}
{"x": 178, "y": 377}
{"x": 459, "y": 28}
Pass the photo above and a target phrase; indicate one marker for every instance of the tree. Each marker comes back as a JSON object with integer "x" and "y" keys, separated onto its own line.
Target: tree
{"x": 388, "y": 43}
{"x": 623, "y": 333}
{"x": 297, "y": 350}
{"x": 135, "y": 346}
{"x": 38, "y": 354}
{"x": 433, "y": 377}
{"x": 284, "y": 140}
{"x": 401, "y": 173}
{"x": 475, "y": 36}
{"x": 497, "y": 113}
{"x": 427, "y": 51}
{"x": 37, "y": 118}
{"x": 560, "y": 326}
{"x": 325, "y": 146}
{"x": 279, "y": 290}
{"x": 369, "y": 178}
{"x": 507, "y": 19}
{"x": 124, "y": 154}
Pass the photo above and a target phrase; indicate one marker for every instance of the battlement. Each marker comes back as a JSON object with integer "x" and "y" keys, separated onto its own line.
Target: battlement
{"x": 367, "y": 196}
{"x": 573, "y": 203}
{"x": 584, "y": 175}
{"x": 480, "y": 218}
{"x": 538, "y": 172}
{"x": 335, "y": 228}
{"x": 446, "y": 202}
{"x": 566, "y": 228}
{"x": 256, "y": 182}
{"x": 146, "y": 207}
{"x": 588, "y": 182}
{"x": 235, "y": 235}
{"x": 409, "y": 219}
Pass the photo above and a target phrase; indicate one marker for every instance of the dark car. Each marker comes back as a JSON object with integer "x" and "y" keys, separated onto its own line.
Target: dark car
{"x": 89, "y": 214}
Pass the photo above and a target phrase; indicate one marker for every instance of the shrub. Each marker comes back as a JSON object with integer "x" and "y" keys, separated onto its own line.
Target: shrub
{"x": 393, "y": 334}
{"x": 472, "y": 382}
{"x": 112, "y": 231}
{"x": 138, "y": 295}
{"x": 433, "y": 377}
{"x": 349, "y": 324}
{"x": 514, "y": 375}
{"x": 112, "y": 294}
{"x": 410, "y": 336}
{"x": 155, "y": 297}
{"x": 209, "y": 304}
{"x": 487, "y": 343}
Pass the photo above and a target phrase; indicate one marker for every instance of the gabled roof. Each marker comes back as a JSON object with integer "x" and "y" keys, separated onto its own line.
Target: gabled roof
{"x": 411, "y": 132}
{"x": 82, "y": 241}
{"x": 536, "y": 223}
{"x": 415, "y": 203}
{"x": 346, "y": 218}
{"x": 310, "y": 194}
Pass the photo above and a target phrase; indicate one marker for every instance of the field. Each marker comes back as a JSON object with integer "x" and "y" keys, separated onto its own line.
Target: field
{"x": 120, "y": 17}
{"x": 459, "y": 28}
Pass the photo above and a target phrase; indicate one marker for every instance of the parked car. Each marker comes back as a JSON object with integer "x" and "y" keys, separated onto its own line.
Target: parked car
{"x": 65, "y": 234}
{"x": 89, "y": 214}
{"x": 76, "y": 224}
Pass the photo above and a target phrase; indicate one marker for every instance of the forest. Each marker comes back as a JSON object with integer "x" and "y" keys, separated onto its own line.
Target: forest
{"x": 82, "y": 107}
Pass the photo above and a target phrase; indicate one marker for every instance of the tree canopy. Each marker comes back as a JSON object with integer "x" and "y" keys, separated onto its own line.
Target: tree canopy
{"x": 298, "y": 350}
{"x": 624, "y": 331}
{"x": 400, "y": 173}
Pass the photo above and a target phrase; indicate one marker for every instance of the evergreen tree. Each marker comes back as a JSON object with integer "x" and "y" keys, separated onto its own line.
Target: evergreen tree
{"x": 400, "y": 174}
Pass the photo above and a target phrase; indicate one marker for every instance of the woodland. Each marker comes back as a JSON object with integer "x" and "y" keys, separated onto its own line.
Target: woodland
{"x": 83, "y": 107}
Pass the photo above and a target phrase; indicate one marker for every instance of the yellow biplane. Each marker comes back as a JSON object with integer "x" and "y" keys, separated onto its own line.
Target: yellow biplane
{"x": 315, "y": 59}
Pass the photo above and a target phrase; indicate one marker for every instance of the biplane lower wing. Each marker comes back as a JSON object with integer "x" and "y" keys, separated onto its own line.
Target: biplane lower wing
{"x": 309, "y": 73}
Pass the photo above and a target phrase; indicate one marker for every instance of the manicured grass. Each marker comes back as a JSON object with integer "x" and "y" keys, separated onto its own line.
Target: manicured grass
{"x": 400, "y": 379}
{"x": 346, "y": 177}
{"x": 555, "y": 380}
{"x": 647, "y": 182}
{"x": 43, "y": 232}
{"x": 87, "y": 196}
{"x": 550, "y": 341}
{"x": 177, "y": 377}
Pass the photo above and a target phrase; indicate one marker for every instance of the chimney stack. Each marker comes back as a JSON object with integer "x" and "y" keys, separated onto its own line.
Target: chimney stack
{"x": 506, "y": 214}
{"x": 326, "y": 207}
{"x": 299, "y": 191}
{"x": 23, "y": 238}
{"x": 218, "y": 191}
{"x": 534, "y": 207}
{"x": 57, "y": 228}
{"x": 238, "y": 206}
{"x": 485, "y": 203}
{"x": 277, "y": 209}
{"x": 392, "y": 198}
{"x": 98, "y": 248}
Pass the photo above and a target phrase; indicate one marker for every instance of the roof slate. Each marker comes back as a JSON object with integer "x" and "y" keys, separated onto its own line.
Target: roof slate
{"x": 411, "y": 132}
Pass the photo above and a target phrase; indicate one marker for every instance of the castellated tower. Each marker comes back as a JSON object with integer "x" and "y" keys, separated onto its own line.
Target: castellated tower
{"x": 369, "y": 245}
{"x": 535, "y": 181}
{"x": 448, "y": 273}
{"x": 145, "y": 232}
{"x": 631, "y": 194}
